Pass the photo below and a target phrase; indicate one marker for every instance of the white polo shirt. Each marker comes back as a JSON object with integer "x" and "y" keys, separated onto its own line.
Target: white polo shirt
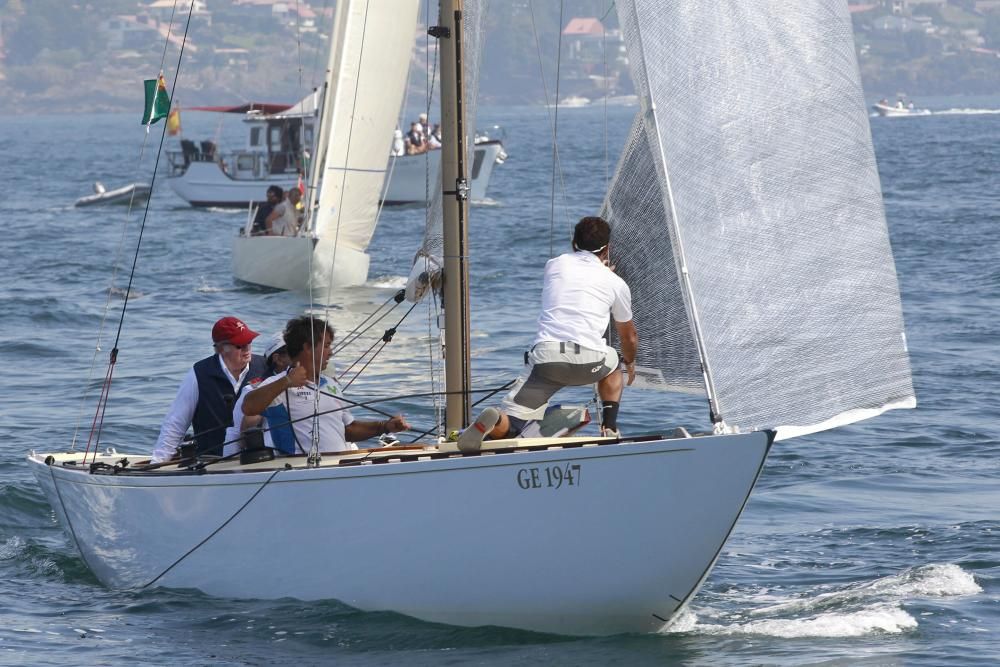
{"x": 331, "y": 420}
{"x": 579, "y": 297}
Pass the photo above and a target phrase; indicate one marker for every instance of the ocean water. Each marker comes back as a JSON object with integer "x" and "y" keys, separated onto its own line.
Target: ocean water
{"x": 873, "y": 544}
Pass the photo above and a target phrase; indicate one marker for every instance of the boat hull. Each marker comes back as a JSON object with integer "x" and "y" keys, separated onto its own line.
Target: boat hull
{"x": 890, "y": 111}
{"x": 283, "y": 262}
{"x": 481, "y": 540}
{"x": 206, "y": 184}
{"x": 135, "y": 193}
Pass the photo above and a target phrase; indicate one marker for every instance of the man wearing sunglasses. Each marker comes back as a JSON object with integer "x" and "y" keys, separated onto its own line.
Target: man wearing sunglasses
{"x": 208, "y": 392}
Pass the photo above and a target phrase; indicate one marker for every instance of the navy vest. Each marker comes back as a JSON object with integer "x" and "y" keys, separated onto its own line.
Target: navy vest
{"x": 216, "y": 398}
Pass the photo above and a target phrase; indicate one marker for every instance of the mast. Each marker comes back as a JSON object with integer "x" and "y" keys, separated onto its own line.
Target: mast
{"x": 455, "y": 207}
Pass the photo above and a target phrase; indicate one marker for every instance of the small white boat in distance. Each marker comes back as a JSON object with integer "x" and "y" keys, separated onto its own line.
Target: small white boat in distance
{"x": 900, "y": 108}
{"x": 133, "y": 192}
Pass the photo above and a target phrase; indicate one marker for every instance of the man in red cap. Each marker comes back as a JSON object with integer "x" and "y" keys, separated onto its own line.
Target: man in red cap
{"x": 206, "y": 396}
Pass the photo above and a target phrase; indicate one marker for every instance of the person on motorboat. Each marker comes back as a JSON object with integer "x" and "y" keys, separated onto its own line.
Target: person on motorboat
{"x": 581, "y": 294}
{"x": 207, "y": 393}
{"x": 301, "y": 398}
{"x": 277, "y": 360}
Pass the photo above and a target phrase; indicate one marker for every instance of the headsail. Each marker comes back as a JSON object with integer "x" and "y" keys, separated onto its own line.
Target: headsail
{"x": 753, "y": 122}
{"x": 369, "y": 61}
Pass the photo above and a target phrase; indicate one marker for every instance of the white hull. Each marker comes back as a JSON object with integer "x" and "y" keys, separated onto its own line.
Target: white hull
{"x": 886, "y": 110}
{"x": 408, "y": 181}
{"x": 283, "y": 262}
{"x": 206, "y": 184}
{"x": 473, "y": 540}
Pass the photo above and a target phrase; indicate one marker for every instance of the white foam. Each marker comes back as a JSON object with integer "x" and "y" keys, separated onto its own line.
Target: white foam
{"x": 967, "y": 112}
{"x": 392, "y": 282}
{"x": 12, "y": 548}
{"x": 882, "y": 619}
{"x": 935, "y": 580}
{"x": 855, "y": 610}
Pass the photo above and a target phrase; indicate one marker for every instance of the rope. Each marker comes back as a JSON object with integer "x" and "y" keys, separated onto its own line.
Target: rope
{"x": 548, "y": 106}
{"x": 386, "y": 339}
{"x": 106, "y": 392}
{"x": 555, "y": 134}
{"x": 356, "y": 332}
{"x": 214, "y": 532}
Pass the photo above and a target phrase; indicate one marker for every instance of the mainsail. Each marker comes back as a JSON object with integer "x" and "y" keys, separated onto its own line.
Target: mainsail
{"x": 369, "y": 61}
{"x": 749, "y": 189}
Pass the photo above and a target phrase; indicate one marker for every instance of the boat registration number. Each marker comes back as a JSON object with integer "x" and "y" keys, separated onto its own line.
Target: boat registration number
{"x": 549, "y": 477}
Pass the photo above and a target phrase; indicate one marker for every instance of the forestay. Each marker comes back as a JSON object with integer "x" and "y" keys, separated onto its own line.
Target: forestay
{"x": 428, "y": 262}
{"x": 369, "y": 61}
{"x": 747, "y": 215}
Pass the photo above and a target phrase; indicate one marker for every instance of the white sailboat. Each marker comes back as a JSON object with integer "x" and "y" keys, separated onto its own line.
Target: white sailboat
{"x": 758, "y": 256}
{"x": 366, "y": 76}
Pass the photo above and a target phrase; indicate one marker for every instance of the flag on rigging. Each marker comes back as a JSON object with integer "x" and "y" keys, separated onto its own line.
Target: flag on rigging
{"x": 157, "y": 100}
{"x": 174, "y": 121}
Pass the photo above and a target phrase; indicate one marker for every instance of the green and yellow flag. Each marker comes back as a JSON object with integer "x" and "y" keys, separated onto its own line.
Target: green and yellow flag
{"x": 157, "y": 100}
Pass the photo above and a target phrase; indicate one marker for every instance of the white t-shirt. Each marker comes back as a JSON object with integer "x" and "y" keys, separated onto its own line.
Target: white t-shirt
{"x": 579, "y": 297}
{"x": 287, "y": 222}
{"x": 331, "y": 420}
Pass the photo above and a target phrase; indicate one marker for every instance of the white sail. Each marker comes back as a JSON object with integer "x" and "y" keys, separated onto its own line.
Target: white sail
{"x": 369, "y": 61}
{"x": 770, "y": 206}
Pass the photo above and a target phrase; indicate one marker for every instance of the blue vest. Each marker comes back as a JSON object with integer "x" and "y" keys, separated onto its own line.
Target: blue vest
{"x": 216, "y": 398}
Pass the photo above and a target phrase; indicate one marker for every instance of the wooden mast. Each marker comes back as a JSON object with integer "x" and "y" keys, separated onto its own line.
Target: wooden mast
{"x": 455, "y": 205}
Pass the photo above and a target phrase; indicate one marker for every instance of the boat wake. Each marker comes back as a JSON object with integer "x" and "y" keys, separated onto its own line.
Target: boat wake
{"x": 967, "y": 112}
{"x": 855, "y": 610}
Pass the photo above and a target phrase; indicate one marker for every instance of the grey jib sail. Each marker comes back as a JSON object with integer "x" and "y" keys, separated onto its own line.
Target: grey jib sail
{"x": 750, "y": 171}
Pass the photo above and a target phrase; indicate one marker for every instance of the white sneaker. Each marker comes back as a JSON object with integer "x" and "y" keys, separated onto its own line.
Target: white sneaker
{"x": 471, "y": 439}
{"x": 611, "y": 433}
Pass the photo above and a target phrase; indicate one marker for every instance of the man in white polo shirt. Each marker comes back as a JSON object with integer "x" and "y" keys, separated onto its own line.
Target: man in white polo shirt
{"x": 301, "y": 402}
{"x": 580, "y": 296}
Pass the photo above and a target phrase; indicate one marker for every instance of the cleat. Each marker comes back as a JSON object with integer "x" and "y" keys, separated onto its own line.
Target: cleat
{"x": 471, "y": 439}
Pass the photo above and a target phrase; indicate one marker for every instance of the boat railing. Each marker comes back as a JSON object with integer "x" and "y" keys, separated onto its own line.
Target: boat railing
{"x": 237, "y": 164}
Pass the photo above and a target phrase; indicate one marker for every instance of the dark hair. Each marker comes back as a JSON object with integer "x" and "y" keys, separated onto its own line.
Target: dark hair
{"x": 591, "y": 233}
{"x": 276, "y": 191}
{"x": 302, "y": 331}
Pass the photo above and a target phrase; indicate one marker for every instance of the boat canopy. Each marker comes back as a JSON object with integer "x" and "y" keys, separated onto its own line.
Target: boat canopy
{"x": 261, "y": 107}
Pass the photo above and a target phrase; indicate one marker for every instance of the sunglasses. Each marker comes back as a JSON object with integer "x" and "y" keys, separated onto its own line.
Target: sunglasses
{"x": 238, "y": 347}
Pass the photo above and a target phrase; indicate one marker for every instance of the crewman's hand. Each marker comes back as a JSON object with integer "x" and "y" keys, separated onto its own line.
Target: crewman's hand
{"x": 397, "y": 424}
{"x": 630, "y": 369}
{"x": 297, "y": 376}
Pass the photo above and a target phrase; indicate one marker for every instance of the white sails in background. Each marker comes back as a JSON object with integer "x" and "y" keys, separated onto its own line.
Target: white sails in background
{"x": 369, "y": 61}
{"x": 750, "y": 175}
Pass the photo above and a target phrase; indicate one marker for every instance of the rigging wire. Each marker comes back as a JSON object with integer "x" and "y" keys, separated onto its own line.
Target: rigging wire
{"x": 114, "y": 271}
{"x": 548, "y": 107}
{"x": 386, "y": 339}
{"x": 113, "y": 357}
{"x": 555, "y": 133}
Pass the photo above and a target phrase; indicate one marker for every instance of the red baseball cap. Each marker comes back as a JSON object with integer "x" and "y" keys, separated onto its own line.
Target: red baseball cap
{"x": 232, "y": 330}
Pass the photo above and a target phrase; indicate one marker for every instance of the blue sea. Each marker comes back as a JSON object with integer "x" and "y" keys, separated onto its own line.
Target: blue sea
{"x": 873, "y": 544}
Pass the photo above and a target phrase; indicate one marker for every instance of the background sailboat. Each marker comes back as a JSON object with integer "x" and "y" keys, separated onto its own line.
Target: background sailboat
{"x": 359, "y": 107}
